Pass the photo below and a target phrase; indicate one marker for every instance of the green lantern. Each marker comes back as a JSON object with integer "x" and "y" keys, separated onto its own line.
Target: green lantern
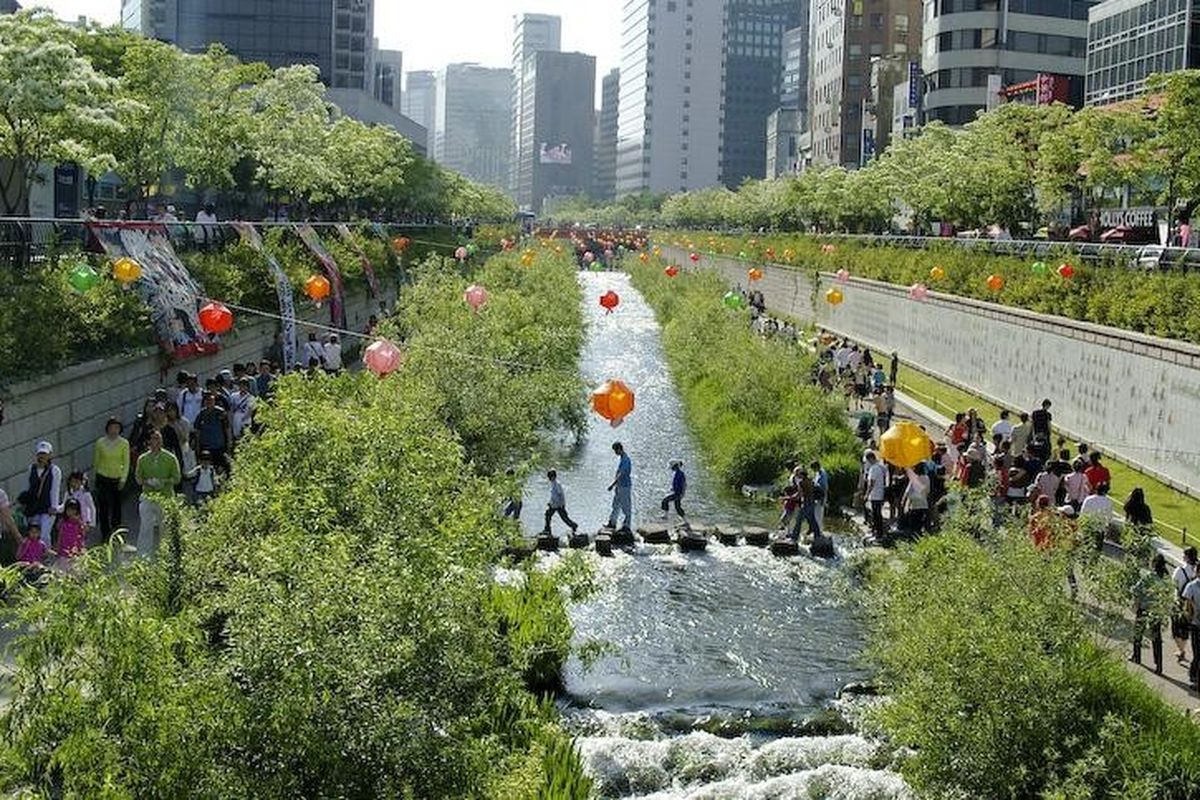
{"x": 1039, "y": 268}
{"x": 471, "y": 248}
{"x": 83, "y": 278}
{"x": 742, "y": 255}
{"x": 734, "y": 300}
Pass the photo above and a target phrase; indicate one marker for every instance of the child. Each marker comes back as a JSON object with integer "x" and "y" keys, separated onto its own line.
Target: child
{"x": 32, "y": 552}
{"x": 72, "y": 533}
{"x": 678, "y": 487}
{"x": 791, "y": 502}
{"x": 77, "y": 490}
{"x": 205, "y": 476}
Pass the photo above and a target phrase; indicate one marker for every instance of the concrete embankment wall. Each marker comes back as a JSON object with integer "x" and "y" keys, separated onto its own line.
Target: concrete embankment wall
{"x": 70, "y": 407}
{"x": 1135, "y": 396}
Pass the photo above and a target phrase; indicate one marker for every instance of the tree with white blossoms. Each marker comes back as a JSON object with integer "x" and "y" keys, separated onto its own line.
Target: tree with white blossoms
{"x": 54, "y": 107}
{"x": 291, "y": 134}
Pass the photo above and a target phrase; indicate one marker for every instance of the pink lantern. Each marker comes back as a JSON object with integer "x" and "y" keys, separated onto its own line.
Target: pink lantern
{"x": 918, "y": 292}
{"x": 827, "y": 248}
{"x": 842, "y": 275}
{"x": 383, "y": 358}
{"x": 475, "y": 296}
{"x": 461, "y": 254}
{"x": 588, "y": 257}
{"x": 505, "y": 244}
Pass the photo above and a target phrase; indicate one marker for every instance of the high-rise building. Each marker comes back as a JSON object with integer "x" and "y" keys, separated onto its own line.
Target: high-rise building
{"x": 605, "y": 187}
{"x": 793, "y": 91}
{"x": 879, "y": 113}
{"x": 419, "y": 101}
{"x": 532, "y": 33}
{"x": 669, "y": 117}
{"x": 786, "y": 124}
{"x": 1128, "y": 40}
{"x": 556, "y": 157}
{"x": 753, "y": 52}
{"x": 783, "y": 142}
{"x": 9, "y": 6}
{"x": 974, "y": 48}
{"x": 385, "y": 86}
{"x": 846, "y": 34}
{"x": 473, "y": 122}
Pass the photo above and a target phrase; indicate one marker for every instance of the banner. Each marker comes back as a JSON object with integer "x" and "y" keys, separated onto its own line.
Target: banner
{"x": 344, "y": 231}
{"x": 165, "y": 286}
{"x": 337, "y": 301}
{"x": 283, "y": 290}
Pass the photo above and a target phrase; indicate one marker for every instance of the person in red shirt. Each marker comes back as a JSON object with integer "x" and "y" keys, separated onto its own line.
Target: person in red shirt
{"x": 1096, "y": 472}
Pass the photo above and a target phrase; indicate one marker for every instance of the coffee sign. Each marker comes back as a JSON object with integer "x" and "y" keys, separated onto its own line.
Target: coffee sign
{"x": 1129, "y": 217}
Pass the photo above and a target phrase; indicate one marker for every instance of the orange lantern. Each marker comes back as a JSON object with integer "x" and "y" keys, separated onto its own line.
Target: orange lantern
{"x": 216, "y": 319}
{"x": 834, "y": 297}
{"x": 400, "y": 243}
{"x": 905, "y": 445}
{"x": 126, "y": 270}
{"x": 671, "y": 271}
{"x": 317, "y": 288}
{"x": 614, "y": 401}
{"x": 755, "y": 274}
{"x": 769, "y": 253}
{"x": 643, "y": 258}
{"x": 995, "y": 282}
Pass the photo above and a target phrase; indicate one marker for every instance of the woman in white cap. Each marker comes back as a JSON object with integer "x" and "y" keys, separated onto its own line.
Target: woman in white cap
{"x": 41, "y": 498}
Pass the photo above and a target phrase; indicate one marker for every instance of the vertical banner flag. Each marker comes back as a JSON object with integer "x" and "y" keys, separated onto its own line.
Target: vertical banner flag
{"x": 337, "y": 302}
{"x": 344, "y": 231}
{"x": 167, "y": 288}
{"x": 283, "y": 290}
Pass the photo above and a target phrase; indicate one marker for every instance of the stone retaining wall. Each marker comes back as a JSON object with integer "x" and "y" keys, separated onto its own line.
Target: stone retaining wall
{"x": 70, "y": 407}
{"x": 1135, "y": 396}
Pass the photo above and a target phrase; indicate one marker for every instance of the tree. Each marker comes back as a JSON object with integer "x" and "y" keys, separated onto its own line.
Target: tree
{"x": 1173, "y": 149}
{"x": 54, "y": 106}
{"x": 913, "y": 172}
{"x": 291, "y": 131}
{"x": 370, "y": 161}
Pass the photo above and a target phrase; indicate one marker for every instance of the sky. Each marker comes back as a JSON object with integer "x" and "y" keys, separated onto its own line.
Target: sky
{"x": 432, "y": 33}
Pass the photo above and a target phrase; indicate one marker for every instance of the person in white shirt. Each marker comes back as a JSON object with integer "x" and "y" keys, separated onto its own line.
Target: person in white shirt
{"x": 1098, "y": 505}
{"x": 313, "y": 352}
{"x": 206, "y": 230}
{"x": 1184, "y": 574}
{"x": 557, "y": 504}
{"x": 877, "y": 481}
{"x": 241, "y": 408}
{"x": 1077, "y": 485}
{"x": 1002, "y": 427}
{"x": 43, "y": 497}
{"x": 191, "y": 399}
{"x": 1191, "y": 605}
{"x": 333, "y": 354}
{"x": 168, "y": 216}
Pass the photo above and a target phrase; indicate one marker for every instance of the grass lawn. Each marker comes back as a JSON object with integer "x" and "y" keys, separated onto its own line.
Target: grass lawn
{"x": 1175, "y": 510}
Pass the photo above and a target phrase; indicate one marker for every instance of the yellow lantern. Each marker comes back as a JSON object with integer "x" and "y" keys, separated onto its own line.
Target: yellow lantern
{"x": 834, "y": 297}
{"x": 905, "y": 445}
{"x": 937, "y": 273}
{"x": 126, "y": 270}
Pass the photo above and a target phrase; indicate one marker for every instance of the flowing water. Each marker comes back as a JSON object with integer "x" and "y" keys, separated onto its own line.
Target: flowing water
{"x": 711, "y": 661}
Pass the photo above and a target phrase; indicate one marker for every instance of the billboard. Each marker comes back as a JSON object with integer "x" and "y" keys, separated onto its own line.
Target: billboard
{"x": 555, "y": 154}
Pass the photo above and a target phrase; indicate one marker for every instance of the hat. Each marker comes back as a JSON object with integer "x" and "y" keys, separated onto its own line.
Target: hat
{"x": 170, "y": 209}
{"x": 225, "y": 373}
{"x": 45, "y": 448}
{"x": 1067, "y": 510}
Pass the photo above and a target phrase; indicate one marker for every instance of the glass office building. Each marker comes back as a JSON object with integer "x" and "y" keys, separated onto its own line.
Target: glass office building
{"x": 1129, "y": 40}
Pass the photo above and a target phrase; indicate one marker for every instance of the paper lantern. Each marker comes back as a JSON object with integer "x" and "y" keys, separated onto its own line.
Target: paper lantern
{"x": 918, "y": 292}
{"x": 527, "y": 258}
{"x": 505, "y": 244}
{"x": 400, "y": 243}
{"x": 937, "y": 274}
{"x": 755, "y": 274}
{"x": 1066, "y": 271}
{"x": 905, "y": 445}
{"x": 83, "y": 278}
{"x": 734, "y": 300}
{"x": 126, "y": 270}
{"x": 842, "y": 276}
{"x": 475, "y": 296}
{"x": 461, "y": 253}
{"x": 827, "y": 249}
{"x": 1039, "y": 268}
{"x": 643, "y": 258}
{"x": 657, "y": 252}
{"x": 788, "y": 255}
{"x": 694, "y": 257}
{"x": 558, "y": 249}
{"x": 609, "y": 300}
{"x": 216, "y": 319}
{"x": 472, "y": 248}
{"x": 317, "y": 288}
{"x": 834, "y": 297}
{"x": 614, "y": 401}
{"x": 742, "y": 255}
{"x": 671, "y": 271}
{"x": 769, "y": 253}
{"x": 995, "y": 282}
{"x": 383, "y": 358}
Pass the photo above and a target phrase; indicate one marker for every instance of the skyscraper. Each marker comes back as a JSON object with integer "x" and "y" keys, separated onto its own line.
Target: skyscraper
{"x": 669, "y": 117}
{"x": 793, "y": 91}
{"x": 473, "y": 122}
{"x": 786, "y": 123}
{"x": 385, "y": 84}
{"x": 419, "y": 102}
{"x": 556, "y": 157}
{"x": 754, "y": 37}
{"x": 1130, "y": 39}
{"x": 605, "y": 187}
{"x": 532, "y": 33}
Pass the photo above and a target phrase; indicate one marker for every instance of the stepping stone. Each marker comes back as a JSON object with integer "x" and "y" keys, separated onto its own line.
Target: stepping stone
{"x": 620, "y": 538}
{"x": 518, "y": 552}
{"x": 783, "y": 546}
{"x": 822, "y": 547}
{"x": 727, "y": 536}
{"x": 756, "y": 537}
{"x": 604, "y": 545}
{"x": 655, "y": 534}
{"x": 578, "y": 541}
{"x": 548, "y": 543}
{"x": 691, "y": 541}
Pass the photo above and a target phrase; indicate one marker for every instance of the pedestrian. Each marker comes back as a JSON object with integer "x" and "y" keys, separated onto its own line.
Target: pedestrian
{"x": 790, "y": 500}
{"x": 678, "y": 487}
{"x": 1147, "y": 618}
{"x": 10, "y": 534}
{"x": 894, "y": 372}
{"x": 1040, "y": 437}
{"x": 32, "y": 553}
{"x": 333, "y": 355}
{"x": 265, "y": 381}
{"x": 205, "y": 476}
{"x": 1137, "y": 511}
{"x": 1003, "y": 427}
{"x": 191, "y": 399}
{"x": 110, "y": 465}
{"x": 1096, "y": 472}
{"x": 1077, "y": 485}
{"x": 1191, "y": 606}
{"x": 820, "y": 479}
{"x": 72, "y": 531}
{"x": 77, "y": 490}
{"x": 877, "y": 482}
{"x": 157, "y": 472}
{"x": 312, "y": 351}
{"x": 622, "y": 489}
{"x": 212, "y": 432}
{"x": 916, "y": 500}
{"x": 1021, "y": 434}
{"x": 42, "y": 497}
{"x": 557, "y": 505}
{"x": 1181, "y": 577}
{"x": 241, "y": 409}
{"x": 806, "y": 506}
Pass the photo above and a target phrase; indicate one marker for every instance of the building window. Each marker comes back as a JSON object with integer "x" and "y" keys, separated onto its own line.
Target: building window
{"x": 877, "y": 22}
{"x": 901, "y": 21}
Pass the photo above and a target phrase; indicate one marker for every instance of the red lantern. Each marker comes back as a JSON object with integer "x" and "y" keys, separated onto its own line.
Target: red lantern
{"x": 755, "y": 274}
{"x": 614, "y": 401}
{"x": 694, "y": 257}
{"x": 995, "y": 282}
{"x": 609, "y": 300}
{"x": 400, "y": 243}
{"x": 216, "y": 319}
{"x": 1066, "y": 271}
{"x": 317, "y": 288}
{"x": 383, "y": 358}
{"x": 671, "y": 271}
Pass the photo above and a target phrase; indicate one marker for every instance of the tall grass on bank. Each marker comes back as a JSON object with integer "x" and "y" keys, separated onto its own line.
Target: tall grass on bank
{"x": 1161, "y": 302}
{"x": 750, "y": 400}
{"x": 329, "y": 626}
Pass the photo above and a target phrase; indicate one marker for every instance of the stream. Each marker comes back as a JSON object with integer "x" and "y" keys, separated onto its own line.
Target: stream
{"x": 711, "y": 662}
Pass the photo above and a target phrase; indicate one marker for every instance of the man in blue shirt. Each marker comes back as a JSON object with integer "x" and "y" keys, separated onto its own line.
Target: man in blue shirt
{"x": 622, "y": 488}
{"x": 820, "y": 479}
{"x": 678, "y": 487}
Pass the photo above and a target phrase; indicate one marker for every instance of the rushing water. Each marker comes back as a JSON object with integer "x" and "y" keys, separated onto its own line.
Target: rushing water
{"x": 711, "y": 660}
